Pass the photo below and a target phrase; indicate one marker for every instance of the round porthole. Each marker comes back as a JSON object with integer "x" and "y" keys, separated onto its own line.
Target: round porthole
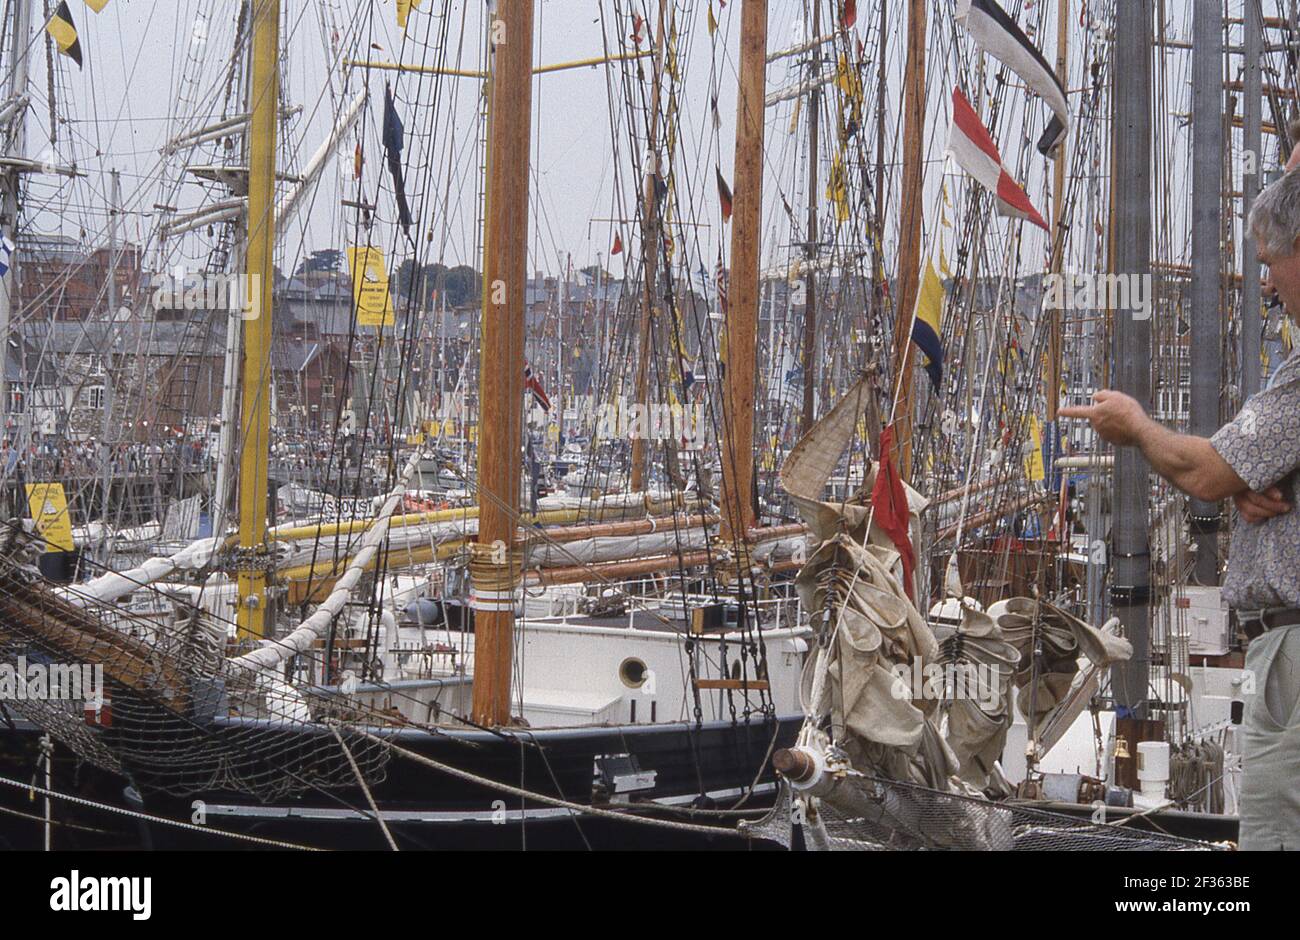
{"x": 633, "y": 672}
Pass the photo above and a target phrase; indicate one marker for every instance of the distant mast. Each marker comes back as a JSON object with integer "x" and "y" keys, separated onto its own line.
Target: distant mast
{"x": 909, "y": 237}
{"x": 20, "y": 45}
{"x": 651, "y": 246}
{"x": 810, "y": 350}
{"x": 494, "y": 563}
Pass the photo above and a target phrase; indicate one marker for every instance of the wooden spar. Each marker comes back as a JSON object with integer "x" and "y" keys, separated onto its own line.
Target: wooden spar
{"x": 255, "y": 400}
{"x": 909, "y": 241}
{"x": 473, "y": 73}
{"x": 742, "y": 312}
{"x": 505, "y": 265}
{"x": 651, "y": 245}
{"x": 618, "y": 570}
{"x": 808, "y": 417}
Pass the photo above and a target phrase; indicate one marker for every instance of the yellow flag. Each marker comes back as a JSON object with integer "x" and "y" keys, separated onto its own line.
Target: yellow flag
{"x": 837, "y": 189}
{"x": 49, "y": 507}
{"x": 713, "y": 21}
{"x": 370, "y": 293}
{"x": 404, "y": 8}
{"x": 97, "y": 5}
{"x": 1034, "y": 469}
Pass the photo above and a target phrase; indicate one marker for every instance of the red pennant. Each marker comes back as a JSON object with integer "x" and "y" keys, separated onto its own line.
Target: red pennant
{"x": 850, "y": 15}
{"x": 724, "y": 196}
{"x": 358, "y": 161}
{"x": 889, "y": 503}
{"x": 618, "y": 244}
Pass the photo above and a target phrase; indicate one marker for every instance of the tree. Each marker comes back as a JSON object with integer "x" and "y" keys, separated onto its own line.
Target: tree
{"x": 327, "y": 259}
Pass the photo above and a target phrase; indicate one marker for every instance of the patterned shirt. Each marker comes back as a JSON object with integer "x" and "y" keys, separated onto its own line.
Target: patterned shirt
{"x": 1262, "y": 444}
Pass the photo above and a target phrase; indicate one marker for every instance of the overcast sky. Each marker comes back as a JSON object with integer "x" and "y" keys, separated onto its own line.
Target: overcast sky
{"x": 154, "y": 68}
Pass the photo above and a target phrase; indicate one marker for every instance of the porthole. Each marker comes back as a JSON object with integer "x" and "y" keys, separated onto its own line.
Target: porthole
{"x": 633, "y": 672}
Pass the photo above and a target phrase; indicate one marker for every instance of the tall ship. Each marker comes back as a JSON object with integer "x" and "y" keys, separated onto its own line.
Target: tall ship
{"x": 382, "y": 473}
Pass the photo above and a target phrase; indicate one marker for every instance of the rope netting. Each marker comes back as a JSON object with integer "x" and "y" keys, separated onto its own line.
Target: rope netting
{"x": 147, "y": 697}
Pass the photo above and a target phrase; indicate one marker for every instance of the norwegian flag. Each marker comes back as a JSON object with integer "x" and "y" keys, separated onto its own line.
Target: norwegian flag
{"x": 534, "y": 385}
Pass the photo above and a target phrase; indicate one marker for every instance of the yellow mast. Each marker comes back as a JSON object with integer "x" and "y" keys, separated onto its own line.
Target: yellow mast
{"x": 255, "y": 402}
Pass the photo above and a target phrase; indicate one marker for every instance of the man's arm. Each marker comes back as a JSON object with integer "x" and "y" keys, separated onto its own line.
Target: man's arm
{"x": 1188, "y": 462}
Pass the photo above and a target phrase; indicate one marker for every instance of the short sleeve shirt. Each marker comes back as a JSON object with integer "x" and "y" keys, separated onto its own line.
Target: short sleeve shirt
{"x": 1262, "y": 444}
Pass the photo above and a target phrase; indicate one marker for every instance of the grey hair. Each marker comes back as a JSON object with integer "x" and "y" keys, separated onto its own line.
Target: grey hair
{"x": 1275, "y": 217}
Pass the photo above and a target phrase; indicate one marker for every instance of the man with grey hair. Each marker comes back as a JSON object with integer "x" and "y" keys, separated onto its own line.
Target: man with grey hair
{"x": 1255, "y": 459}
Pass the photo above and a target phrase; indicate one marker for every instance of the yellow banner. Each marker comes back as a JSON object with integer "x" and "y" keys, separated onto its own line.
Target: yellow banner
{"x": 1034, "y": 468}
{"x": 370, "y": 292}
{"x": 49, "y": 507}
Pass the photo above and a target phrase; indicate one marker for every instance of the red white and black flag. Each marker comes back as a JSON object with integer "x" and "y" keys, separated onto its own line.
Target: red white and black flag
{"x": 997, "y": 34}
{"x": 534, "y": 385}
{"x": 971, "y": 146}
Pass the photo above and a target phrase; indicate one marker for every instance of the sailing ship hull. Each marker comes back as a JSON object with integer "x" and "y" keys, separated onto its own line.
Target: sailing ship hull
{"x": 712, "y": 765}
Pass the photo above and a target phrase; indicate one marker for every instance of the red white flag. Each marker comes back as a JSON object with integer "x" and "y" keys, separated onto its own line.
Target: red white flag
{"x": 970, "y": 144}
{"x": 618, "y": 244}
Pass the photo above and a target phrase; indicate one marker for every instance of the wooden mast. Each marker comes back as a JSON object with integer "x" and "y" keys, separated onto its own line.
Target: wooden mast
{"x": 255, "y": 401}
{"x": 742, "y": 312}
{"x": 651, "y": 245}
{"x": 810, "y": 275}
{"x": 494, "y": 564}
{"x": 909, "y": 241}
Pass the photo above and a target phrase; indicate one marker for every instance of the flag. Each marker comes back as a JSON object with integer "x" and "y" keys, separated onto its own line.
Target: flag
{"x": 534, "y": 385}
{"x": 724, "y": 195}
{"x": 713, "y": 20}
{"x": 837, "y": 189}
{"x": 64, "y": 32}
{"x": 618, "y": 244}
{"x": 890, "y": 509}
{"x": 925, "y": 325}
{"x": 97, "y": 5}
{"x": 999, "y": 36}
{"x": 639, "y": 32}
{"x": 6, "y": 253}
{"x": 404, "y": 8}
{"x": 358, "y": 161}
{"x": 971, "y": 146}
{"x": 394, "y": 141}
{"x": 371, "y": 295}
{"x": 1035, "y": 471}
{"x": 850, "y": 14}
{"x": 720, "y": 278}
